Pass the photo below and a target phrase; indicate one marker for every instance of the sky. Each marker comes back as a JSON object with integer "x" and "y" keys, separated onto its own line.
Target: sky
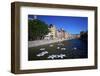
{"x": 71, "y": 24}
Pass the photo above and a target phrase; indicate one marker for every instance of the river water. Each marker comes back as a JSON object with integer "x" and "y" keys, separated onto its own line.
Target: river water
{"x": 72, "y": 49}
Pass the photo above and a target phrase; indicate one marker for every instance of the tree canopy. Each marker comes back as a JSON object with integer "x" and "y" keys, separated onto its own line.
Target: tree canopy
{"x": 37, "y": 29}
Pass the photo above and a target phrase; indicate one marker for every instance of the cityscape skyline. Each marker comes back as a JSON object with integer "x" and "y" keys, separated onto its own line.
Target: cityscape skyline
{"x": 73, "y": 25}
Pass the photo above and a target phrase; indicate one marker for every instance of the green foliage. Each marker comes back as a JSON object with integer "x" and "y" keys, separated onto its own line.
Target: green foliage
{"x": 37, "y": 29}
{"x": 84, "y": 35}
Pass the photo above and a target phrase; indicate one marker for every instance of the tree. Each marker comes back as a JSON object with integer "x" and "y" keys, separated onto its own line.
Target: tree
{"x": 37, "y": 29}
{"x": 84, "y": 35}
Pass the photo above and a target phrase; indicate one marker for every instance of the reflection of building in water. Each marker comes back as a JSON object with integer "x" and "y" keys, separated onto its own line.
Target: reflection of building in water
{"x": 59, "y": 33}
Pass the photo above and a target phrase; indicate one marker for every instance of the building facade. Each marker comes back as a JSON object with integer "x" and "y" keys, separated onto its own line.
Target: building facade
{"x": 52, "y": 31}
{"x": 59, "y": 34}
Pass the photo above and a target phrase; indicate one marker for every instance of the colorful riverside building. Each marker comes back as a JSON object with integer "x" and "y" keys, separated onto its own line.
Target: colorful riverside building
{"x": 52, "y": 30}
{"x": 56, "y": 33}
{"x": 60, "y": 34}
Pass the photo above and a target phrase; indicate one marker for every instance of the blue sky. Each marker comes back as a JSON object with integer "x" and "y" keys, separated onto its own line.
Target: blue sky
{"x": 70, "y": 24}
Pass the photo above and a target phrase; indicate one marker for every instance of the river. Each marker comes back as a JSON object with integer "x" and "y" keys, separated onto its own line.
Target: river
{"x": 74, "y": 49}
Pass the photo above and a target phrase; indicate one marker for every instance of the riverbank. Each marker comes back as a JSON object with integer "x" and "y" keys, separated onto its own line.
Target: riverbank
{"x": 42, "y": 42}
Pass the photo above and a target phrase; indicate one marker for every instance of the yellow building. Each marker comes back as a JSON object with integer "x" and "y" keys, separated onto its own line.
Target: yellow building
{"x": 52, "y": 30}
